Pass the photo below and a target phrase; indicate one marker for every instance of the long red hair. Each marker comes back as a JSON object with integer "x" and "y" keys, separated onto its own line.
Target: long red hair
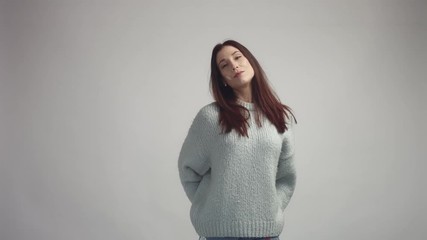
{"x": 232, "y": 115}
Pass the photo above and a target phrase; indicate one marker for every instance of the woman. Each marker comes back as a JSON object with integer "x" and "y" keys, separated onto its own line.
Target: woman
{"x": 237, "y": 162}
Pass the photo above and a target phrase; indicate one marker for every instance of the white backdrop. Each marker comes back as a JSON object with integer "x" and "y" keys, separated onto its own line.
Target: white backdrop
{"x": 96, "y": 98}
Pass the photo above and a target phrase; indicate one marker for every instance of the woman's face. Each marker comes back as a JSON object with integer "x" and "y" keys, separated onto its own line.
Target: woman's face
{"x": 234, "y": 67}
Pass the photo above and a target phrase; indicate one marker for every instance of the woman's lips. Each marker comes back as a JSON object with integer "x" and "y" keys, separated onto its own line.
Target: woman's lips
{"x": 238, "y": 74}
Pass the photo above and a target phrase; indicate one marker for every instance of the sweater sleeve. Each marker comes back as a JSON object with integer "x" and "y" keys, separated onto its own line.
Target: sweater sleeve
{"x": 193, "y": 157}
{"x": 286, "y": 174}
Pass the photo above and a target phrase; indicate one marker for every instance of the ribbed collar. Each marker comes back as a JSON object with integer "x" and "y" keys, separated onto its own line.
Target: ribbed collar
{"x": 248, "y": 105}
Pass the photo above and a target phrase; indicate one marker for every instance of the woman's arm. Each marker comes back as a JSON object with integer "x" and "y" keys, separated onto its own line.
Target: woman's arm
{"x": 193, "y": 157}
{"x": 286, "y": 175}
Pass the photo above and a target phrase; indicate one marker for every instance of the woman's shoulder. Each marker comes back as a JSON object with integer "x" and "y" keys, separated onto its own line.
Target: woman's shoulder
{"x": 209, "y": 110}
{"x": 290, "y": 120}
{"x": 207, "y": 114}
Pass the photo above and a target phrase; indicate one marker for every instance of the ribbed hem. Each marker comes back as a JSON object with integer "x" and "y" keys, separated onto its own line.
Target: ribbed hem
{"x": 239, "y": 229}
{"x": 248, "y": 105}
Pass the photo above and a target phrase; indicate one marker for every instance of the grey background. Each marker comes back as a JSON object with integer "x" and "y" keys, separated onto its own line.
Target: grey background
{"x": 96, "y": 98}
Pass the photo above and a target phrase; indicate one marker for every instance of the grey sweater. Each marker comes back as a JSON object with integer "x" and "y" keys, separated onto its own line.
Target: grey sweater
{"x": 238, "y": 186}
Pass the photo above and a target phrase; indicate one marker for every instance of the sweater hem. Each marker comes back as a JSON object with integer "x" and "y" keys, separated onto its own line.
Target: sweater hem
{"x": 239, "y": 228}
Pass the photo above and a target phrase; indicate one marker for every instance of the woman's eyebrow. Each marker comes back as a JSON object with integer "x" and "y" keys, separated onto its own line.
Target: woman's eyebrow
{"x": 231, "y": 54}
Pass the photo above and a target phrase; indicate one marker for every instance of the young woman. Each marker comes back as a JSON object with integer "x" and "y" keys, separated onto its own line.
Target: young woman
{"x": 237, "y": 162}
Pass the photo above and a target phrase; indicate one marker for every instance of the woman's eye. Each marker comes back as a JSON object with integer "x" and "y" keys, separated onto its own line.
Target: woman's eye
{"x": 238, "y": 57}
{"x": 223, "y": 66}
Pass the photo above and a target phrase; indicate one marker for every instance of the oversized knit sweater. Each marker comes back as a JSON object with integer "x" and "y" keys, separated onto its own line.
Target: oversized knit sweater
{"x": 238, "y": 186}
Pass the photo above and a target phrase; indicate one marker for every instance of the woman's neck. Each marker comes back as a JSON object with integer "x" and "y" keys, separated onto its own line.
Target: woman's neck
{"x": 244, "y": 94}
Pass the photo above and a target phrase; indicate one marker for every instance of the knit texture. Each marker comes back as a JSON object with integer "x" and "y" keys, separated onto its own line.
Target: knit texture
{"x": 238, "y": 186}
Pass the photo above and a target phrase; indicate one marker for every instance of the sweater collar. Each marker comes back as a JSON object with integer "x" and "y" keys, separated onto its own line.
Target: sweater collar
{"x": 248, "y": 105}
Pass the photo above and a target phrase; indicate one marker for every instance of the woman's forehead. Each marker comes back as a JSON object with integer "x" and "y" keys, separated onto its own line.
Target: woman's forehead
{"x": 226, "y": 52}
